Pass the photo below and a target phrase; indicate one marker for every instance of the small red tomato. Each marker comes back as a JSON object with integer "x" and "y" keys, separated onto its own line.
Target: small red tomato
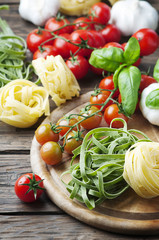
{"x": 100, "y": 13}
{"x": 113, "y": 44}
{"x": 51, "y": 153}
{"x": 64, "y": 124}
{"x": 98, "y": 39}
{"x": 93, "y": 121}
{"x": 44, "y": 51}
{"x": 112, "y": 112}
{"x": 111, "y": 33}
{"x": 29, "y": 187}
{"x": 148, "y": 41}
{"x": 78, "y": 65}
{"x": 36, "y": 37}
{"x": 72, "y": 141}
{"x": 99, "y": 97}
{"x": 107, "y": 83}
{"x": 44, "y": 134}
{"x": 83, "y": 23}
{"x": 62, "y": 45}
{"x": 55, "y": 23}
{"x": 145, "y": 82}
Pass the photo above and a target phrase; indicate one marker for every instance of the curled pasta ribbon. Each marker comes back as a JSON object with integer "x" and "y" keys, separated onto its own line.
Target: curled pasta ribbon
{"x": 141, "y": 169}
{"x": 22, "y": 102}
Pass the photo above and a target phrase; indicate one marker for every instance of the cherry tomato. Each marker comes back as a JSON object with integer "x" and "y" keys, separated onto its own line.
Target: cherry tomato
{"x": 107, "y": 83}
{"x": 83, "y": 23}
{"x": 100, "y": 13}
{"x": 34, "y": 184}
{"x": 37, "y": 37}
{"x": 99, "y": 98}
{"x": 111, "y": 33}
{"x": 44, "y": 134}
{"x": 46, "y": 50}
{"x": 145, "y": 82}
{"x": 73, "y": 140}
{"x": 78, "y": 37}
{"x": 98, "y": 39}
{"x": 113, "y": 44}
{"x": 51, "y": 153}
{"x": 64, "y": 124}
{"x": 148, "y": 40}
{"x": 93, "y": 121}
{"x": 112, "y": 112}
{"x": 62, "y": 45}
{"x": 55, "y": 23}
{"x": 78, "y": 65}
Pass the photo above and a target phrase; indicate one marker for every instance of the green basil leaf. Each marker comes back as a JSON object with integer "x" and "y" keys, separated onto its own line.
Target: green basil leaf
{"x": 108, "y": 59}
{"x": 152, "y": 99}
{"x": 156, "y": 71}
{"x": 132, "y": 51}
{"x": 116, "y": 74}
{"x": 129, "y": 81}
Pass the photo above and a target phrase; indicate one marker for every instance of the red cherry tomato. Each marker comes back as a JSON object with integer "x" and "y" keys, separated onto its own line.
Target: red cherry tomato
{"x": 112, "y": 112}
{"x": 44, "y": 134}
{"x": 64, "y": 124}
{"x": 93, "y": 121}
{"x": 98, "y": 39}
{"x": 100, "y": 98}
{"x": 37, "y": 37}
{"x": 148, "y": 40}
{"x": 100, "y": 13}
{"x": 107, "y": 83}
{"x": 98, "y": 71}
{"x": 51, "y": 153}
{"x": 62, "y": 45}
{"x": 33, "y": 181}
{"x": 55, "y": 23}
{"x": 78, "y": 65}
{"x": 111, "y": 33}
{"x": 113, "y": 44}
{"x": 73, "y": 140}
{"x": 83, "y": 23}
{"x": 46, "y": 50}
{"x": 145, "y": 82}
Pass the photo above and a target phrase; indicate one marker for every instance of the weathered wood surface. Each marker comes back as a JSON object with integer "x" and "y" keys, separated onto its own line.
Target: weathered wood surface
{"x": 42, "y": 219}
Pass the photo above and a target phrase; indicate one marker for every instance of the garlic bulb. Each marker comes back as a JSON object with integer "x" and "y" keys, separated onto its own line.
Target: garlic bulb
{"x": 131, "y": 15}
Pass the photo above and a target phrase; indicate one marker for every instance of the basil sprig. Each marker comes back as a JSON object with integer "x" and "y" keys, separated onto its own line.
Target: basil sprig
{"x": 126, "y": 76}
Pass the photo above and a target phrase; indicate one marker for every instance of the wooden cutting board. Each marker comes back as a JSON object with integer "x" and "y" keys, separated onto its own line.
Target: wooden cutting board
{"x": 127, "y": 214}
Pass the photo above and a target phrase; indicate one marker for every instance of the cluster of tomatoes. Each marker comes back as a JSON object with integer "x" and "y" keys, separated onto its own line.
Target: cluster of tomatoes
{"x": 75, "y": 41}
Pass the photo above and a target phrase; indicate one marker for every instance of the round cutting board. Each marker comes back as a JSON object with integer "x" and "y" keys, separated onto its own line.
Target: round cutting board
{"x": 127, "y": 214}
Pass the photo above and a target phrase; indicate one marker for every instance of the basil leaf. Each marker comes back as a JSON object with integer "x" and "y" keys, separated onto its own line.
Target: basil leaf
{"x": 116, "y": 74}
{"x": 132, "y": 51}
{"x": 129, "y": 81}
{"x": 108, "y": 59}
{"x": 152, "y": 99}
{"x": 156, "y": 71}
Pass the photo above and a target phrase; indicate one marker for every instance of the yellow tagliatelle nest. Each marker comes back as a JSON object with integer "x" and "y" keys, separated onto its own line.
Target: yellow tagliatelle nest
{"x": 141, "y": 169}
{"x": 56, "y": 78}
{"x": 22, "y": 103}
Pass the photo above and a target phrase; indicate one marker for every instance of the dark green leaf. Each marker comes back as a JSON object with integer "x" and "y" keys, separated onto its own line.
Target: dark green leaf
{"x": 108, "y": 59}
{"x": 129, "y": 81}
{"x": 156, "y": 71}
{"x": 152, "y": 99}
{"x": 132, "y": 51}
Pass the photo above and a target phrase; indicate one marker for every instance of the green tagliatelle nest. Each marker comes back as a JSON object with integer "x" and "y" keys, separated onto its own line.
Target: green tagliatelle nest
{"x": 99, "y": 173}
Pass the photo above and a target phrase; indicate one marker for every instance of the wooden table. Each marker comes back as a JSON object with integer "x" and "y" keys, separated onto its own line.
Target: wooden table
{"x": 42, "y": 219}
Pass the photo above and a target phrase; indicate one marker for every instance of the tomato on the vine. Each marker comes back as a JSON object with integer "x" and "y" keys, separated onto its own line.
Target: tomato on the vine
{"x": 148, "y": 41}
{"x": 98, "y": 39}
{"x": 145, "y": 82}
{"x": 29, "y": 187}
{"x": 44, "y": 51}
{"x": 107, "y": 83}
{"x": 62, "y": 46}
{"x": 111, "y": 33}
{"x": 100, "y": 13}
{"x": 112, "y": 112}
{"x": 58, "y": 22}
{"x": 51, "y": 153}
{"x": 78, "y": 65}
{"x": 83, "y": 23}
{"x": 64, "y": 124}
{"x": 113, "y": 44}
{"x": 99, "y": 97}
{"x": 73, "y": 140}
{"x": 98, "y": 71}
{"x": 44, "y": 133}
{"x": 93, "y": 121}
{"x": 36, "y": 37}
